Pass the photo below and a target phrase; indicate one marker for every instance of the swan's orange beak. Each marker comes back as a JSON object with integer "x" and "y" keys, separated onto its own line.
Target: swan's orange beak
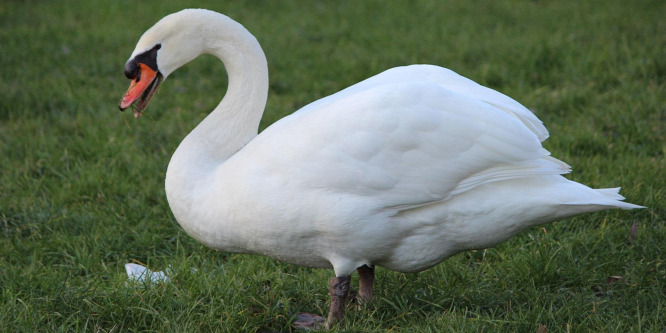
{"x": 141, "y": 88}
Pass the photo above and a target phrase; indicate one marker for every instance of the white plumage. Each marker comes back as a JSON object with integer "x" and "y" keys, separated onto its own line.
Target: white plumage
{"x": 380, "y": 172}
{"x": 401, "y": 170}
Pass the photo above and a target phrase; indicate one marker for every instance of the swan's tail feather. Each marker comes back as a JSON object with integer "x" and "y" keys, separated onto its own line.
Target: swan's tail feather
{"x": 611, "y": 198}
{"x": 611, "y": 193}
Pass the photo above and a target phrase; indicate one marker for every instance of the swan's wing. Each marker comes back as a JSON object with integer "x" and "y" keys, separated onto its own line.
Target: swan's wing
{"x": 401, "y": 145}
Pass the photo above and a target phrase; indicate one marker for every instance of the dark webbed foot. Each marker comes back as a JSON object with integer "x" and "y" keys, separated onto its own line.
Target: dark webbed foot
{"x": 309, "y": 321}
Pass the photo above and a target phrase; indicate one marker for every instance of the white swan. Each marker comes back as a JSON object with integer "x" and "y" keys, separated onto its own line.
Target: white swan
{"x": 401, "y": 170}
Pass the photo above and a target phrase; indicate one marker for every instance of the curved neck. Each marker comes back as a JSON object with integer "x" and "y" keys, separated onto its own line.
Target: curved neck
{"x": 235, "y": 121}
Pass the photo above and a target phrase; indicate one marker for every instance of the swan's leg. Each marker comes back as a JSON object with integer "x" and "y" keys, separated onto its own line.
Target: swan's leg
{"x": 366, "y": 278}
{"x": 339, "y": 287}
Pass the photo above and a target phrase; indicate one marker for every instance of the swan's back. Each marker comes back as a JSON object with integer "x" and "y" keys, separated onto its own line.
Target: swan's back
{"x": 447, "y": 79}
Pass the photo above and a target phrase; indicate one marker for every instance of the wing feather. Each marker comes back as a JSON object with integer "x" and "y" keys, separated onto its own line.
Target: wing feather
{"x": 406, "y": 138}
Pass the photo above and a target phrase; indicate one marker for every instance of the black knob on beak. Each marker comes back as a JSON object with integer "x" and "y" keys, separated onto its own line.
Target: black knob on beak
{"x": 131, "y": 69}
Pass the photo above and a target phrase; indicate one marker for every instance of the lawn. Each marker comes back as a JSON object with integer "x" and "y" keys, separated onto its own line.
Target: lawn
{"x": 82, "y": 184}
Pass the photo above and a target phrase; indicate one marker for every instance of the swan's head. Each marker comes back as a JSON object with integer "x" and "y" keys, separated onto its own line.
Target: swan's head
{"x": 170, "y": 43}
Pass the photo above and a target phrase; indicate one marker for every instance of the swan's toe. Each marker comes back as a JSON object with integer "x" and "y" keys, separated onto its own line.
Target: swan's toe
{"x": 309, "y": 321}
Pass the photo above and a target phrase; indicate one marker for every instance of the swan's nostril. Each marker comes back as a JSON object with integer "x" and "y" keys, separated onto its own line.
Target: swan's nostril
{"x": 131, "y": 69}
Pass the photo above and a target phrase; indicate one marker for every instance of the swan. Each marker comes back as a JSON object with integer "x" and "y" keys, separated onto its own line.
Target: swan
{"x": 401, "y": 170}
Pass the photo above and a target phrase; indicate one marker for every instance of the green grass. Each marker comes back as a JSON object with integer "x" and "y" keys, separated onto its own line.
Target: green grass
{"x": 81, "y": 184}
